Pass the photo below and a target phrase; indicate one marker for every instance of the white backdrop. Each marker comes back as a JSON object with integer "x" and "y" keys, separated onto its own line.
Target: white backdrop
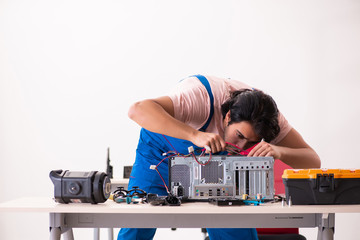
{"x": 69, "y": 70}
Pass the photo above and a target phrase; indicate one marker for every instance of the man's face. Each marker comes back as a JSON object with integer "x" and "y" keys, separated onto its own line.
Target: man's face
{"x": 241, "y": 134}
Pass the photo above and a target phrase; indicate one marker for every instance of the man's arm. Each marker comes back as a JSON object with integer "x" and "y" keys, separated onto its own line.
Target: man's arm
{"x": 157, "y": 115}
{"x": 292, "y": 150}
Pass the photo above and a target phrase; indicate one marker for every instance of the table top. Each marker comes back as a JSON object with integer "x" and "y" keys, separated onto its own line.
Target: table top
{"x": 48, "y": 205}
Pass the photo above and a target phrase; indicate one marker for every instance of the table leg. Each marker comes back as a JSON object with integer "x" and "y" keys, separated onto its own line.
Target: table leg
{"x": 68, "y": 234}
{"x": 326, "y": 226}
{"x": 96, "y": 233}
{"x": 57, "y": 227}
{"x": 55, "y": 233}
{"x": 110, "y": 234}
{"x": 56, "y": 222}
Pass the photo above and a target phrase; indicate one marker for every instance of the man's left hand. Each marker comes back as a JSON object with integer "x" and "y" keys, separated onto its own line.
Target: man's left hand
{"x": 264, "y": 149}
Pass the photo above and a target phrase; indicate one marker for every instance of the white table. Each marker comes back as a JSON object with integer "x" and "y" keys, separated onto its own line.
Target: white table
{"x": 64, "y": 217}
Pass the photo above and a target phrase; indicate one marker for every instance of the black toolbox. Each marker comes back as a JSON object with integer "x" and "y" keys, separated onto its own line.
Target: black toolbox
{"x": 322, "y": 186}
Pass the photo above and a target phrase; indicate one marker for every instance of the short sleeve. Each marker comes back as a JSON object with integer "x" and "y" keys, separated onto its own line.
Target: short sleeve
{"x": 189, "y": 97}
{"x": 285, "y": 128}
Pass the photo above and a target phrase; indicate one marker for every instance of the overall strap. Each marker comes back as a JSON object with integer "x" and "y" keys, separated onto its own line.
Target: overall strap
{"x": 206, "y": 83}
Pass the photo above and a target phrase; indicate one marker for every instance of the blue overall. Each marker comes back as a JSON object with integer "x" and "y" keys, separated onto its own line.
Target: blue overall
{"x": 150, "y": 148}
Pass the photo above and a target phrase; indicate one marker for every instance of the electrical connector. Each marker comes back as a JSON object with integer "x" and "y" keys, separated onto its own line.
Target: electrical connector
{"x": 207, "y": 148}
{"x": 191, "y": 149}
{"x": 152, "y": 167}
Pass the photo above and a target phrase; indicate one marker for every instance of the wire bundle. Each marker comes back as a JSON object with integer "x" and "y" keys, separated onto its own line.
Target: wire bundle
{"x": 235, "y": 150}
{"x": 230, "y": 148}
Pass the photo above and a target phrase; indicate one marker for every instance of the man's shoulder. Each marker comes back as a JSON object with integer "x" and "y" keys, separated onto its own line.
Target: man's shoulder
{"x": 225, "y": 85}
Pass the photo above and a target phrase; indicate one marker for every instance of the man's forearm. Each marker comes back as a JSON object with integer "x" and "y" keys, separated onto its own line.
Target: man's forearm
{"x": 153, "y": 117}
{"x": 300, "y": 157}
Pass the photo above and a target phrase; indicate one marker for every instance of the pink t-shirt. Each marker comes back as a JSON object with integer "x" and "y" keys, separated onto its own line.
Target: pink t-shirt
{"x": 192, "y": 104}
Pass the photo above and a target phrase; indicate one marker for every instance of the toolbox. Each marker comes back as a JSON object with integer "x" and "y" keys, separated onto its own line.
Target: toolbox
{"x": 322, "y": 186}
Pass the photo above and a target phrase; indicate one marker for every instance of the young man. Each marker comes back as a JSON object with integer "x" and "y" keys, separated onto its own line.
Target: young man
{"x": 207, "y": 112}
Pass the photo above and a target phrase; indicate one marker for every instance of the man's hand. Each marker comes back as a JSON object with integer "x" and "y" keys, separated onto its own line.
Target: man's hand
{"x": 264, "y": 149}
{"x": 212, "y": 140}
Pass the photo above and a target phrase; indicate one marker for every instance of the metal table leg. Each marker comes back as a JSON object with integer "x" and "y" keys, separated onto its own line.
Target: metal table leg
{"x": 110, "y": 234}
{"x": 68, "y": 234}
{"x": 57, "y": 227}
{"x": 55, "y": 233}
{"x": 326, "y": 226}
{"x": 96, "y": 233}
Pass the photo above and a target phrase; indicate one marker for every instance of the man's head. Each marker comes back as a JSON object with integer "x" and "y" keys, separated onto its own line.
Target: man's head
{"x": 249, "y": 116}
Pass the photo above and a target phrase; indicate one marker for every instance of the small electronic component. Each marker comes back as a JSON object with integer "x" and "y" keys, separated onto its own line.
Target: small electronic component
{"x": 156, "y": 200}
{"x": 226, "y": 201}
{"x": 191, "y": 149}
{"x": 134, "y": 195}
{"x": 207, "y": 148}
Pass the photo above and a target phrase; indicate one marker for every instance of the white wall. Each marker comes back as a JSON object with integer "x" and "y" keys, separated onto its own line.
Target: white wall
{"x": 69, "y": 71}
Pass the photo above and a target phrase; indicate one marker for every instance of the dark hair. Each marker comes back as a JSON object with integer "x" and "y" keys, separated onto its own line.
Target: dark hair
{"x": 256, "y": 107}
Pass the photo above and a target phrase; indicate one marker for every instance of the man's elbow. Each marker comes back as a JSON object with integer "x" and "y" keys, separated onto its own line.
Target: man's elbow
{"x": 134, "y": 111}
{"x": 316, "y": 161}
